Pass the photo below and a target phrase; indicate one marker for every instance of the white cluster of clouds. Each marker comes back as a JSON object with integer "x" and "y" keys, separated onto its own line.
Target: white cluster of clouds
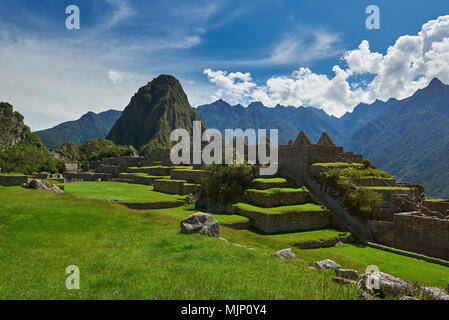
{"x": 410, "y": 64}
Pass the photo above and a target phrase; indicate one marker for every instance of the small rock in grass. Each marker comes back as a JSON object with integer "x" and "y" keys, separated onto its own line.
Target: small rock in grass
{"x": 38, "y": 184}
{"x": 201, "y": 223}
{"x": 342, "y": 234}
{"x": 340, "y": 280}
{"x": 285, "y": 253}
{"x": 327, "y": 264}
{"x": 385, "y": 283}
{"x": 223, "y": 239}
{"x": 365, "y": 296}
{"x": 433, "y": 293}
{"x": 347, "y": 274}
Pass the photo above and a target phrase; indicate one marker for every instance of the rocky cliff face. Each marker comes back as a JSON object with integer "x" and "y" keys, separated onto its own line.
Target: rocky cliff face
{"x": 12, "y": 128}
{"x": 153, "y": 113}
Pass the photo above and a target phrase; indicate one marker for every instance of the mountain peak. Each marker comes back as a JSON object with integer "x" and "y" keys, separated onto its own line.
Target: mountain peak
{"x": 436, "y": 83}
{"x": 152, "y": 114}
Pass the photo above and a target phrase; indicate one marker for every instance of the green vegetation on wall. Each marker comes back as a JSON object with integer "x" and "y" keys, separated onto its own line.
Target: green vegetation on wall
{"x": 226, "y": 183}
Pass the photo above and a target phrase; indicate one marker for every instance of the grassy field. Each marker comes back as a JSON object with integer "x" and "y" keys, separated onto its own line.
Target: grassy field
{"x": 283, "y": 209}
{"x": 316, "y": 235}
{"x": 117, "y": 191}
{"x": 127, "y": 254}
{"x": 270, "y": 180}
{"x": 337, "y": 164}
{"x": 279, "y": 190}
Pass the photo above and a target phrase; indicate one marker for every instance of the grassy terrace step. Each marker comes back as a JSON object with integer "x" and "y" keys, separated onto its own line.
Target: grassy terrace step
{"x": 312, "y": 239}
{"x": 337, "y": 164}
{"x": 308, "y": 216}
{"x": 276, "y": 197}
{"x": 118, "y": 191}
{"x": 231, "y": 220}
{"x": 270, "y": 183}
{"x": 306, "y": 207}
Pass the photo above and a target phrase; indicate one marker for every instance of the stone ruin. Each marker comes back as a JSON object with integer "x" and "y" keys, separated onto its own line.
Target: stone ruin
{"x": 402, "y": 223}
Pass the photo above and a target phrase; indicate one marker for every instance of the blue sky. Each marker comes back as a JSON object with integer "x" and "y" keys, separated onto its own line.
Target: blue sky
{"x": 253, "y": 50}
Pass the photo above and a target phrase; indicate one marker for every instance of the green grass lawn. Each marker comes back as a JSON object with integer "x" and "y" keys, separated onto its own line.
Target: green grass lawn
{"x": 122, "y": 254}
{"x": 117, "y": 191}
{"x": 12, "y": 175}
{"x": 316, "y": 235}
{"x": 337, "y": 164}
{"x": 270, "y": 180}
{"x": 127, "y": 254}
{"x": 144, "y": 175}
{"x": 185, "y": 211}
{"x": 281, "y": 210}
{"x": 386, "y": 188}
{"x": 279, "y": 190}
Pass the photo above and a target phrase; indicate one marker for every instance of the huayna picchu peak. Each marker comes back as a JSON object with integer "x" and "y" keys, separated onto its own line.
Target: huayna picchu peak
{"x": 153, "y": 113}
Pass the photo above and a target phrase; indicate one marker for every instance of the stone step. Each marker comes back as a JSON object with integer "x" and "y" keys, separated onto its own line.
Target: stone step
{"x": 269, "y": 183}
{"x": 153, "y": 170}
{"x": 276, "y": 197}
{"x": 303, "y": 217}
{"x": 139, "y": 178}
{"x": 169, "y": 186}
{"x": 189, "y": 175}
{"x": 375, "y": 182}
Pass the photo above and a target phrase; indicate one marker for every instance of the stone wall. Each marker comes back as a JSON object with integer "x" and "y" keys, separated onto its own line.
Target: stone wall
{"x": 408, "y": 231}
{"x": 169, "y": 186}
{"x": 288, "y": 222}
{"x": 440, "y": 206}
{"x": 123, "y": 161}
{"x": 269, "y": 200}
{"x": 193, "y": 176}
{"x": 11, "y": 181}
{"x": 87, "y": 176}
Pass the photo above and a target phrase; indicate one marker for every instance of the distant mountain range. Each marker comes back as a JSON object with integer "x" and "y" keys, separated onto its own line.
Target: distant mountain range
{"x": 410, "y": 139}
{"x": 407, "y": 138}
{"x": 89, "y": 126}
{"x": 290, "y": 120}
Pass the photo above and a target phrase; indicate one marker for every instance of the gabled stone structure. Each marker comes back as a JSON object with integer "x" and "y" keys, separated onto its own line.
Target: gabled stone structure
{"x": 303, "y": 139}
{"x": 327, "y": 140}
{"x": 294, "y": 160}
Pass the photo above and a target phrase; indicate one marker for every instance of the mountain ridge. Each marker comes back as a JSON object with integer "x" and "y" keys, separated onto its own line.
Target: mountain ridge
{"x": 89, "y": 126}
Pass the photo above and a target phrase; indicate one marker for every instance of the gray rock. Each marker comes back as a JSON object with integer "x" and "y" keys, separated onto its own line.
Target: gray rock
{"x": 432, "y": 293}
{"x": 447, "y": 288}
{"x": 285, "y": 253}
{"x": 344, "y": 281}
{"x": 347, "y": 274}
{"x": 201, "y": 223}
{"x": 365, "y": 296}
{"x": 386, "y": 284}
{"x": 408, "y": 298}
{"x": 327, "y": 264}
{"x": 38, "y": 184}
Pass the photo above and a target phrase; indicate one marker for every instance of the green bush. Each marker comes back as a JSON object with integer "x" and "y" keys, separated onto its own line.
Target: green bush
{"x": 28, "y": 156}
{"x": 366, "y": 163}
{"x": 226, "y": 183}
{"x": 70, "y": 151}
{"x": 97, "y": 149}
{"x": 365, "y": 204}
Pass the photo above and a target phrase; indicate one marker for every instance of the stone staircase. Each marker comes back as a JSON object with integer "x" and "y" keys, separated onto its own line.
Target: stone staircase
{"x": 276, "y": 205}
